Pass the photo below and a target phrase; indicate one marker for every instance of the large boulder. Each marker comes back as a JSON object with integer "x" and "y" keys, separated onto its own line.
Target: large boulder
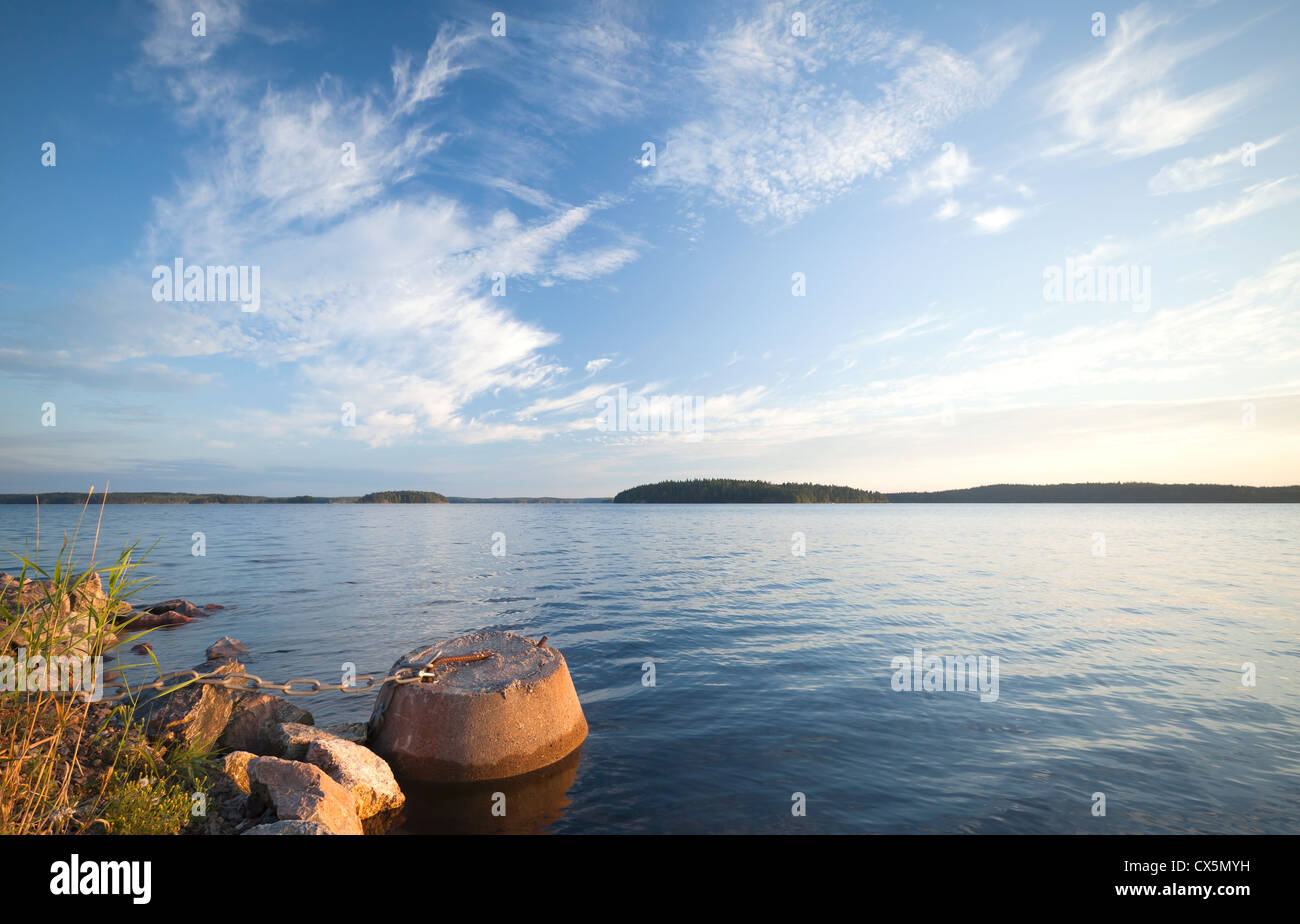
{"x": 356, "y": 732}
{"x": 195, "y": 714}
{"x": 89, "y": 593}
{"x": 234, "y": 767}
{"x": 291, "y": 739}
{"x": 303, "y": 792}
{"x": 361, "y": 771}
{"x": 255, "y": 722}
{"x": 34, "y": 596}
{"x": 80, "y": 636}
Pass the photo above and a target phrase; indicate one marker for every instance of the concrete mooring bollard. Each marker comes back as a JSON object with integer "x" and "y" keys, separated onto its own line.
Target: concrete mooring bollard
{"x": 509, "y": 713}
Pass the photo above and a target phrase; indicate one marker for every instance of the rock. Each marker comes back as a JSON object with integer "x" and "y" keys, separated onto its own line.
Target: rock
{"x": 290, "y": 827}
{"x": 79, "y": 635}
{"x": 360, "y": 771}
{"x": 89, "y": 594}
{"x": 255, "y": 720}
{"x": 291, "y": 739}
{"x": 184, "y": 607}
{"x": 225, "y": 647}
{"x": 213, "y": 607}
{"x": 35, "y": 596}
{"x": 355, "y": 732}
{"x": 214, "y": 824}
{"x": 302, "y": 792}
{"x": 150, "y": 620}
{"x": 234, "y": 766}
{"x": 142, "y": 648}
{"x": 195, "y": 714}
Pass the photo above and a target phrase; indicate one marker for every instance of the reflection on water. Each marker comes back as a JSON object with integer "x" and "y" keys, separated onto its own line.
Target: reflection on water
{"x": 1118, "y": 673}
{"x": 532, "y": 803}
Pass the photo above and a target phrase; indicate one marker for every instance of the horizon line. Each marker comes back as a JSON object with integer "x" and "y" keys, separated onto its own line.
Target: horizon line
{"x": 94, "y": 493}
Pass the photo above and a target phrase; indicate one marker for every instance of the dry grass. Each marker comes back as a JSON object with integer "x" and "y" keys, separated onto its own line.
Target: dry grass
{"x": 68, "y": 764}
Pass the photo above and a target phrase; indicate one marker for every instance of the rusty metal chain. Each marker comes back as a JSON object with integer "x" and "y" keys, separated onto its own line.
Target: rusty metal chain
{"x": 407, "y": 672}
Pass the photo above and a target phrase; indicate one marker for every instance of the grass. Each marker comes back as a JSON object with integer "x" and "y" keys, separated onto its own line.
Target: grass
{"x": 68, "y": 764}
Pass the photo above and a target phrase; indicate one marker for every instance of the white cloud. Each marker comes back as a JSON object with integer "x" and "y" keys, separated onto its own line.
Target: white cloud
{"x": 1192, "y": 174}
{"x": 941, "y": 176}
{"x": 950, "y": 208}
{"x": 997, "y": 219}
{"x": 576, "y": 71}
{"x": 1121, "y": 100}
{"x": 371, "y": 294}
{"x": 1198, "y": 346}
{"x": 171, "y": 43}
{"x": 925, "y": 324}
{"x": 593, "y": 263}
{"x": 581, "y": 401}
{"x": 780, "y": 137}
{"x": 1254, "y": 199}
{"x": 595, "y": 365}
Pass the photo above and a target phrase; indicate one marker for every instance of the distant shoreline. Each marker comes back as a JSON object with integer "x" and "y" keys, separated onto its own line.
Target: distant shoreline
{"x": 1075, "y": 493}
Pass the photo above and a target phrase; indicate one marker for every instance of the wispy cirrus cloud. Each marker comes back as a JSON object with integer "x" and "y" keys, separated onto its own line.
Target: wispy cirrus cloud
{"x": 1192, "y": 174}
{"x": 1254, "y": 199}
{"x": 375, "y": 291}
{"x": 781, "y": 135}
{"x": 1123, "y": 100}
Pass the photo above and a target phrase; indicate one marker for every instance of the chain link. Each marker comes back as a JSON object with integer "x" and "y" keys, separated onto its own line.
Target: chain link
{"x": 406, "y": 672}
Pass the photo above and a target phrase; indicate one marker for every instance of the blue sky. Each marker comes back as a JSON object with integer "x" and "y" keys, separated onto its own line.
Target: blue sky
{"x": 926, "y": 168}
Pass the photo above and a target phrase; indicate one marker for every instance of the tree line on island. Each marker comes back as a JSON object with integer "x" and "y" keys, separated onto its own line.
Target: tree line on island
{"x": 166, "y": 497}
{"x": 735, "y": 491}
{"x": 1117, "y": 492}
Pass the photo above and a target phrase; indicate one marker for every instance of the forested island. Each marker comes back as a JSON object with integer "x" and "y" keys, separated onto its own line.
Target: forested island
{"x": 1120, "y": 492}
{"x": 734, "y": 491}
{"x": 403, "y": 497}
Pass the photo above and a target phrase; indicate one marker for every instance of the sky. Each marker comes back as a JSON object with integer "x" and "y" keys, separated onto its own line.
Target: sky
{"x": 899, "y": 247}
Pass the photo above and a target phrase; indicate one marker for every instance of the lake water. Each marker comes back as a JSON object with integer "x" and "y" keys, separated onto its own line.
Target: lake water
{"x": 1118, "y": 673}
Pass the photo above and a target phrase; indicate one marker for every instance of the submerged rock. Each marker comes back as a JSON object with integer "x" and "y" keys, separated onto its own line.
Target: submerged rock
{"x": 225, "y": 647}
{"x": 149, "y": 620}
{"x": 184, "y": 607}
